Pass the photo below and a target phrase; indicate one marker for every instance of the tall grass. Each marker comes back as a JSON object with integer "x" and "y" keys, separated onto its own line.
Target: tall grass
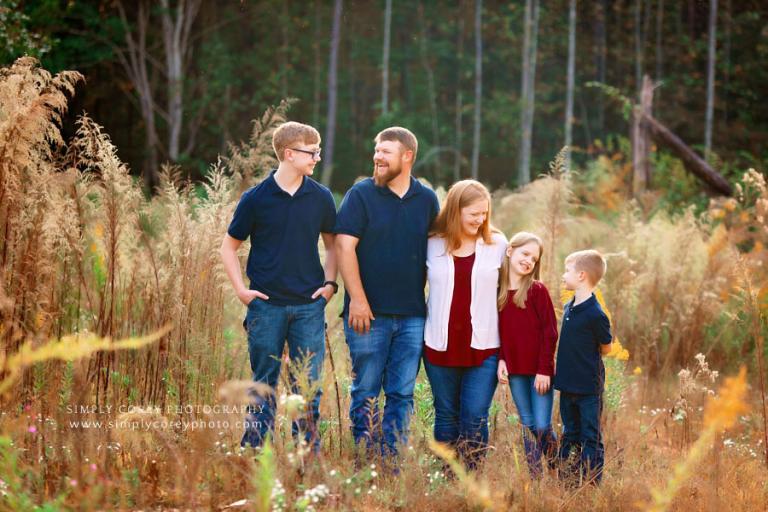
{"x": 85, "y": 251}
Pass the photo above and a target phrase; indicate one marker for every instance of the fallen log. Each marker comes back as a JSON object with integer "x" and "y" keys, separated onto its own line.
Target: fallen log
{"x": 693, "y": 162}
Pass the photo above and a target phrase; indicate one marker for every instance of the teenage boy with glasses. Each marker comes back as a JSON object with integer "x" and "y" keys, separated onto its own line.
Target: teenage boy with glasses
{"x": 284, "y": 215}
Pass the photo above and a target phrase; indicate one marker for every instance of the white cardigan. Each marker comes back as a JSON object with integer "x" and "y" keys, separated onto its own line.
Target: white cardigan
{"x": 484, "y": 283}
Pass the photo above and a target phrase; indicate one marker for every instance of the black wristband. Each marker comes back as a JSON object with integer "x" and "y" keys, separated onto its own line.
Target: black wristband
{"x": 334, "y": 284}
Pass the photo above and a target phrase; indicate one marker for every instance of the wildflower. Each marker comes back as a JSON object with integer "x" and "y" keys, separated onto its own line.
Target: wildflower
{"x": 73, "y": 482}
{"x": 294, "y": 404}
{"x": 720, "y": 414}
{"x": 637, "y": 370}
{"x": 93, "y": 467}
{"x": 722, "y": 411}
{"x": 32, "y": 429}
{"x": 717, "y": 213}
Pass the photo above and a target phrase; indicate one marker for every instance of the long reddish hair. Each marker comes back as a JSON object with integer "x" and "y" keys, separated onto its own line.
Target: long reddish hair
{"x": 447, "y": 225}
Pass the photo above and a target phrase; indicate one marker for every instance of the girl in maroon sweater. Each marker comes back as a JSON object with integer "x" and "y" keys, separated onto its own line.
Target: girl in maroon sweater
{"x": 528, "y": 333}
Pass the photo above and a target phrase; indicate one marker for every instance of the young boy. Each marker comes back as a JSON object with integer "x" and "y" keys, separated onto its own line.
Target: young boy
{"x": 584, "y": 336}
{"x": 284, "y": 215}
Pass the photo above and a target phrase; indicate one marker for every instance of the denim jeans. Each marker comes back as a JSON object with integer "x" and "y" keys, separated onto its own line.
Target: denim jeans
{"x": 581, "y": 432}
{"x": 462, "y": 397}
{"x": 535, "y": 412}
{"x": 387, "y": 357}
{"x": 269, "y": 326}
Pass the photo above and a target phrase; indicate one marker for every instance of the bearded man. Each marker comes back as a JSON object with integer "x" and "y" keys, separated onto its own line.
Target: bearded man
{"x": 382, "y": 229}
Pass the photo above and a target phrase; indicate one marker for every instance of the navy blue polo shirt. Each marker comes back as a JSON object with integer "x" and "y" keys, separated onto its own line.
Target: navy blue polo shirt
{"x": 284, "y": 262}
{"x": 392, "y": 247}
{"x": 579, "y": 364}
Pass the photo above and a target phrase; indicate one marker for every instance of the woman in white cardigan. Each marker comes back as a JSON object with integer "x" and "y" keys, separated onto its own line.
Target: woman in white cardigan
{"x": 464, "y": 253}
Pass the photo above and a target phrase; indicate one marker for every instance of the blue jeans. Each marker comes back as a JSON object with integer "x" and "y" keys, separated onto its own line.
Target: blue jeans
{"x": 387, "y": 358}
{"x": 536, "y": 418}
{"x": 581, "y": 432}
{"x": 462, "y": 398}
{"x": 269, "y": 326}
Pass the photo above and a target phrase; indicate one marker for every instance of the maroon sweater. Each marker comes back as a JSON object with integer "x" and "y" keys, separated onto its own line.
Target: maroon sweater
{"x": 529, "y": 336}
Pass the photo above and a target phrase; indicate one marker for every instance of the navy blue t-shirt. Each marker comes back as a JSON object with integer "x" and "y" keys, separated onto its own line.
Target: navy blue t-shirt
{"x": 392, "y": 247}
{"x": 579, "y": 364}
{"x": 284, "y": 262}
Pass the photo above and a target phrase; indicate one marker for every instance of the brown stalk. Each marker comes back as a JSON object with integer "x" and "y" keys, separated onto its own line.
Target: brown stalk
{"x": 329, "y": 349}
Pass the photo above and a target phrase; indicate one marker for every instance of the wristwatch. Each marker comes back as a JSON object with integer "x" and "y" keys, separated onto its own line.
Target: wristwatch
{"x": 334, "y": 284}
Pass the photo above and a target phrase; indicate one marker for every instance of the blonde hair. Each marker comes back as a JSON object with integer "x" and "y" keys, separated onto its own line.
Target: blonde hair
{"x": 447, "y": 225}
{"x": 290, "y": 133}
{"x": 590, "y": 262}
{"x": 399, "y": 134}
{"x": 521, "y": 294}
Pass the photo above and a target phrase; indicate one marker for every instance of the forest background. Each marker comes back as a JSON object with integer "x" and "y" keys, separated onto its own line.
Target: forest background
{"x": 130, "y": 133}
{"x": 180, "y": 85}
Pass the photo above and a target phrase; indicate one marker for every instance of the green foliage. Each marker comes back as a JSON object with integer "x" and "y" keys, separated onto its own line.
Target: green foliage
{"x": 263, "y": 479}
{"x": 678, "y": 188}
{"x": 17, "y": 37}
{"x": 14, "y": 492}
{"x": 616, "y": 382}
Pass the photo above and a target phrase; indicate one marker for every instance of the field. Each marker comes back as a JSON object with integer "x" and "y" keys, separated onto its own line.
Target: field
{"x": 115, "y": 309}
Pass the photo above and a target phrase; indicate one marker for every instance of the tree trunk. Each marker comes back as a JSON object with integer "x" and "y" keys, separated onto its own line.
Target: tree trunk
{"x": 330, "y": 129}
{"x": 640, "y": 140}
{"x": 659, "y": 47}
{"x": 601, "y": 9}
{"x": 570, "y": 82}
{"x": 459, "y": 98}
{"x": 639, "y": 47}
{"x": 176, "y": 33}
{"x": 530, "y": 42}
{"x": 430, "y": 83}
{"x": 693, "y": 163}
{"x": 385, "y": 58}
{"x": 711, "y": 56}
{"x": 317, "y": 66}
{"x": 285, "y": 20}
{"x": 478, "y": 87}
{"x": 133, "y": 59}
{"x": 727, "y": 51}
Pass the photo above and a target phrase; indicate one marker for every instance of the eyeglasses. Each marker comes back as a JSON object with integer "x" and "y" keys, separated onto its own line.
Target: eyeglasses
{"x": 315, "y": 154}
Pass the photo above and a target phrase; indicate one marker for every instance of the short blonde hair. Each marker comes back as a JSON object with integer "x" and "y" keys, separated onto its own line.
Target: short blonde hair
{"x": 402, "y": 135}
{"x": 590, "y": 262}
{"x": 290, "y": 133}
